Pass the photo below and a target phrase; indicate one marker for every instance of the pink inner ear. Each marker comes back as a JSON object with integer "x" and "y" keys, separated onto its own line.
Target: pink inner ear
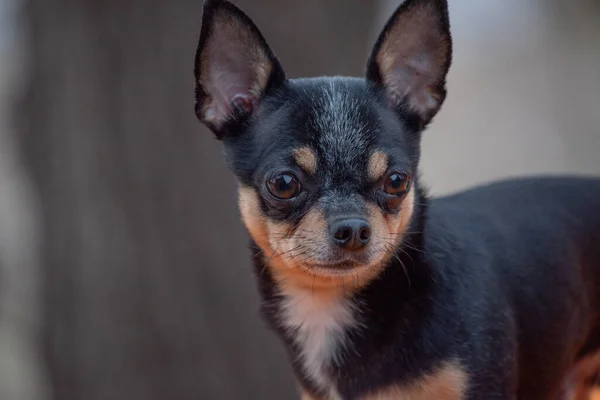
{"x": 234, "y": 71}
{"x": 412, "y": 59}
{"x": 413, "y": 79}
{"x": 232, "y": 83}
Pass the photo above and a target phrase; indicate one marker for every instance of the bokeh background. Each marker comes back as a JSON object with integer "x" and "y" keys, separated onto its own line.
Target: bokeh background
{"x": 123, "y": 265}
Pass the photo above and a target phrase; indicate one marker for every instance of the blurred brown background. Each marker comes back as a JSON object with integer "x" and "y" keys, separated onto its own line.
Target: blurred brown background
{"x": 123, "y": 266}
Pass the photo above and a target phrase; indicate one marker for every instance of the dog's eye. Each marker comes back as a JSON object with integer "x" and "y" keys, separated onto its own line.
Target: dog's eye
{"x": 284, "y": 186}
{"x": 396, "y": 184}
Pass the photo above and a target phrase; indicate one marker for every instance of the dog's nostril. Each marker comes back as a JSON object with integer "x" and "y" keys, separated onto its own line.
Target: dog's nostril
{"x": 365, "y": 233}
{"x": 343, "y": 233}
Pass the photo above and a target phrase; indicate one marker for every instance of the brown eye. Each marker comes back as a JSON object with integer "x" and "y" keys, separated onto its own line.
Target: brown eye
{"x": 284, "y": 186}
{"x": 396, "y": 184}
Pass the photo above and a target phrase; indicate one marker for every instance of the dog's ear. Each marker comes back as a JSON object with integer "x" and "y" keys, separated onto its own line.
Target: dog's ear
{"x": 234, "y": 68}
{"x": 412, "y": 56}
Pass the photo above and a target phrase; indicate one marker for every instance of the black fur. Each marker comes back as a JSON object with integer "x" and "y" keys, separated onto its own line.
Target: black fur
{"x": 504, "y": 278}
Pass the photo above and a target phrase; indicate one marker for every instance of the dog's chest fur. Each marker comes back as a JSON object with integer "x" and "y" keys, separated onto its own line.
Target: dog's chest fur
{"x": 318, "y": 325}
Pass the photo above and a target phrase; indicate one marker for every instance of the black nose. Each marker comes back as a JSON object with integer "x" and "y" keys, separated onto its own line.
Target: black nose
{"x": 351, "y": 234}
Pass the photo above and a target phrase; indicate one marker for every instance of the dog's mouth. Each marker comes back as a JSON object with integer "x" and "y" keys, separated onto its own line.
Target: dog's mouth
{"x": 341, "y": 269}
{"x": 339, "y": 266}
{"x": 336, "y": 262}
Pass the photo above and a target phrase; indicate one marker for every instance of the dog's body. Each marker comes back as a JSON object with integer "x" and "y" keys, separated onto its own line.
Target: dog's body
{"x": 377, "y": 291}
{"x": 472, "y": 295}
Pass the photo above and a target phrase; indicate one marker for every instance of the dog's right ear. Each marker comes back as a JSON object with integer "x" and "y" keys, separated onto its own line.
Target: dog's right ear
{"x": 234, "y": 68}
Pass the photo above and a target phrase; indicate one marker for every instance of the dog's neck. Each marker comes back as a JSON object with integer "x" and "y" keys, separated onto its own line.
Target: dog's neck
{"x": 324, "y": 330}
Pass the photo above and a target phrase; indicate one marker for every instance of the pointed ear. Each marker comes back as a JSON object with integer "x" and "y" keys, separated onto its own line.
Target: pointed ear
{"x": 234, "y": 68}
{"x": 412, "y": 56}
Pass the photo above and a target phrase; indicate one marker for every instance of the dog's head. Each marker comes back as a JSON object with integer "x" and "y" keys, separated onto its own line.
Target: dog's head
{"x": 326, "y": 165}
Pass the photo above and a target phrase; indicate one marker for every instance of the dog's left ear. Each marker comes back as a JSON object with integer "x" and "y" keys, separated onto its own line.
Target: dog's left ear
{"x": 234, "y": 70}
{"x": 412, "y": 56}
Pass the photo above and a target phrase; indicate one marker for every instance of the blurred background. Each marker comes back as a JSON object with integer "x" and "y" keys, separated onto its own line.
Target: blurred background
{"x": 123, "y": 265}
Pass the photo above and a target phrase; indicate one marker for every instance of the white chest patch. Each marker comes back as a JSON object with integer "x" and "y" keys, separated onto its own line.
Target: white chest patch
{"x": 319, "y": 324}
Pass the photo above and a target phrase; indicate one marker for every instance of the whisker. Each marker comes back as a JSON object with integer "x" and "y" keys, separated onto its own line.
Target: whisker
{"x": 412, "y": 247}
{"x": 293, "y": 257}
{"x": 408, "y": 255}
{"x": 405, "y": 233}
{"x": 236, "y": 271}
{"x": 393, "y": 254}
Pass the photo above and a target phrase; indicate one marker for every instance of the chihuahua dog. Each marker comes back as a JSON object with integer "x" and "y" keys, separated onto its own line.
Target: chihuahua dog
{"x": 378, "y": 291}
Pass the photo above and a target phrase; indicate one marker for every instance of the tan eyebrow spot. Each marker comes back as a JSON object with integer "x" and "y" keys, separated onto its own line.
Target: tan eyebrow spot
{"x": 306, "y": 159}
{"x": 378, "y": 164}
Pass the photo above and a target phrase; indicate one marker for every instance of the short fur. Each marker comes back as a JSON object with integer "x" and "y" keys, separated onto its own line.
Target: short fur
{"x": 378, "y": 291}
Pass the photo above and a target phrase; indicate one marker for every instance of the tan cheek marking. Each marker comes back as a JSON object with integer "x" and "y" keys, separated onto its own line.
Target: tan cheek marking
{"x": 268, "y": 236}
{"x": 447, "y": 383}
{"x": 390, "y": 229}
{"x": 256, "y": 222}
{"x": 252, "y": 216}
{"x": 294, "y": 244}
{"x": 306, "y": 159}
{"x": 398, "y": 224}
{"x": 378, "y": 164}
{"x": 313, "y": 227}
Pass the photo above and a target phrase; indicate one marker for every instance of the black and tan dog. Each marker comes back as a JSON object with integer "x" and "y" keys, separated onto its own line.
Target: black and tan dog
{"x": 378, "y": 291}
